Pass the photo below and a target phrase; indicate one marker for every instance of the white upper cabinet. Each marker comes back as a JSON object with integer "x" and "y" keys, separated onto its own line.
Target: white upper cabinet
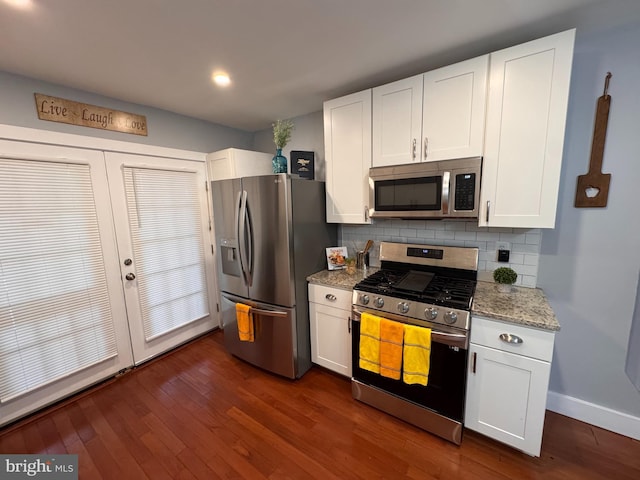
{"x": 526, "y": 113}
{"x": 433, "y": 116}
{"x": 347, "y": 149}
{"x": 453, "y": 110}
{"x": 397, "y": 122}
{"x": 236, "y": 163}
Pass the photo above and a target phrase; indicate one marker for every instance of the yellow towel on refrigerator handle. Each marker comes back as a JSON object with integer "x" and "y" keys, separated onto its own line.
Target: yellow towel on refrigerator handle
{"x": 391, "y": 334}
{"x": 244, "y": 317}
{"x": 416, "y": 355}
{"x": 369, "y": 343}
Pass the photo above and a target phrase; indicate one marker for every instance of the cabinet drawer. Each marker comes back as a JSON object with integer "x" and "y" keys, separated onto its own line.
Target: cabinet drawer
{"x": 535, "y": 343}
{"x": 333, "y": 297}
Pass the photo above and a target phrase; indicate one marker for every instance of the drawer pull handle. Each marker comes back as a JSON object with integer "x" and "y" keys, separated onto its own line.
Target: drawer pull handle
{"x": 513, "y": 339}
{"x": 331, "y": 297}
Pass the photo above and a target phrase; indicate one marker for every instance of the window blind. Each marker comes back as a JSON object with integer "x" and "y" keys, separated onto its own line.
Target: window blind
{"x": 166, "y": 235}
{"x": 55, "y": 314}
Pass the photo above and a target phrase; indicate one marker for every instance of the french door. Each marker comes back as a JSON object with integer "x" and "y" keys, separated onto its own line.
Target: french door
{"x": 160, "y": 215}
{"x": 102, "y": 265}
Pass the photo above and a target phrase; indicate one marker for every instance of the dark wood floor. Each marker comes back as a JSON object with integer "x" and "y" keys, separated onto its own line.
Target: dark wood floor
{"x": 200, "y": 413}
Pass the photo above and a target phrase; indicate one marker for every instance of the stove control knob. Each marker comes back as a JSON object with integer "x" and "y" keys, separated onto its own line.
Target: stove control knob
{"x": 430, "y": 313}
{"x": 403, "y": 307}
{"x": 450, "y": 317}
{"x": 379, "y": 302}
{"x": 364, "y": 299}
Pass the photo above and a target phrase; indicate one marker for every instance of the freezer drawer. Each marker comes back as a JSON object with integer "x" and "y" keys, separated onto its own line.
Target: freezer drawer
{"x": 274, "y": 348}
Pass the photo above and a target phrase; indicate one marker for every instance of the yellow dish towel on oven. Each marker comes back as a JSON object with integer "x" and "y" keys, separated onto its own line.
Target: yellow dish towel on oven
{"x": 244, "y": 317}
{"x": 369, "y": 343}
{"x": 391, "y": 334}
{"x": 416, "y": 355}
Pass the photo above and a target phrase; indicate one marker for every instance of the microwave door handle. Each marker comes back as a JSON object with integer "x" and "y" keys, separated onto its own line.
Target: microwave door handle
{"x": 446, "y": 177}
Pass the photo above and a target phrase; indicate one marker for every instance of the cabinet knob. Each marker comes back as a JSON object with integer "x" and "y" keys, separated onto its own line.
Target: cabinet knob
{"x": 331, "y": 297}
{"x": 513, "y": 339}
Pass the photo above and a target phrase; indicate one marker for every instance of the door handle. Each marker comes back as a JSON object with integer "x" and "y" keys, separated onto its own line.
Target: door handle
{"x": 446, "y": 178}
{"x": 473, "y": 363}
{"x": 130, "y": 276}
{"x": 512, "y": 339}
{"x": 242, "y": 233}
{"x": 270, "y": 313}
{"x": 249, "y": 234}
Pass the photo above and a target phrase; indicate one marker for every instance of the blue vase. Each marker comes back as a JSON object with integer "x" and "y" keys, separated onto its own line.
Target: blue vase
{"x": 279, "y": 162}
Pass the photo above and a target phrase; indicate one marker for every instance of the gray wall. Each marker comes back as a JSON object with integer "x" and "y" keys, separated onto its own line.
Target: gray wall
{"x": 307, "y": 135}
{"x": 589, "y": 264}
{"x": 165, "y": 129}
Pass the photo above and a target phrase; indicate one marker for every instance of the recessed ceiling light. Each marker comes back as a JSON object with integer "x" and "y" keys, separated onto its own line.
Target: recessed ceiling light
{"x": 24, "y": 4}
{"x": 221, "y": 79}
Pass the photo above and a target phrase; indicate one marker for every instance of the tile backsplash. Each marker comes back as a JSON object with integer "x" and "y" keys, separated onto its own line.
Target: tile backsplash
{"x": 525, "y": 242}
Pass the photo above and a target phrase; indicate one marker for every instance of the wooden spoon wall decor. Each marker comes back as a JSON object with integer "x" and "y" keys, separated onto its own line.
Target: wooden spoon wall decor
{"x": 593, "y": 188}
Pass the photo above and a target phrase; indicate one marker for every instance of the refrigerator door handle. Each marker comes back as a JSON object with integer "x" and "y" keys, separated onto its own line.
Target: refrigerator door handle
{"x": 240, "y": 232}
{"x": 249, "y": 243}
{"x": 270, "y": 313}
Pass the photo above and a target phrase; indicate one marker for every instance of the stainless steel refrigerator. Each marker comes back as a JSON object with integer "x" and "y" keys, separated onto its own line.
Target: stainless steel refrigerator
{"x": 270, "y": 234}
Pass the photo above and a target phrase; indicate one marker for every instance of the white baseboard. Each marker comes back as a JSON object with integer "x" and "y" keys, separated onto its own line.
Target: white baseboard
{"x": 597, "y": 415}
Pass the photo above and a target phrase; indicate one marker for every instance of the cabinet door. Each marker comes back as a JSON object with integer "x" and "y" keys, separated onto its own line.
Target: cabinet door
{"x": 236, "y": 163}
{"x": 453, "y": 110}
{"x": 526, "y": 113}
{"x": 506, "y": 397}
{"x": 397, "y": 122}
{"x": 330, "y": 338}
{"x": 347, "y": 148}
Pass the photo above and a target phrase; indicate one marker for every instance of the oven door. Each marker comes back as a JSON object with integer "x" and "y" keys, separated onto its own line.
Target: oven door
{"x": 445, "y": 391}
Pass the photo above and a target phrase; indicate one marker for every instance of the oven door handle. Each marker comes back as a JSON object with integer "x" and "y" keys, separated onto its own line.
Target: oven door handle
{"x": 453, "y": 339}
{"x": 450, "y": 335}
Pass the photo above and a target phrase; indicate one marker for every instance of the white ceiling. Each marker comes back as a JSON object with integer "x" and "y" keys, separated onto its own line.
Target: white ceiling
{"x": 285, "y": 57}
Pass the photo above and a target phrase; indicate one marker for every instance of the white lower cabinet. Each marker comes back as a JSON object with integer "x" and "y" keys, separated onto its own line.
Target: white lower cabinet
{"x": 329, "y": 316}
{"x": 507, "y": 382}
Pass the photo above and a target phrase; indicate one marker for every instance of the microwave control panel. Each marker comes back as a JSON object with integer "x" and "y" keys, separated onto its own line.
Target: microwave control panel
{"x": 465, "y": 191}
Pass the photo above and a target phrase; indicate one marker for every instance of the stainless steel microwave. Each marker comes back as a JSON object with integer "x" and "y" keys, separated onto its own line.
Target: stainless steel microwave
{"x": 444, "y": 189}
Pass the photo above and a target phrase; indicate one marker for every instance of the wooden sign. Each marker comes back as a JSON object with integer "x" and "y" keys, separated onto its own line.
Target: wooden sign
{"x": 60, "y": 110}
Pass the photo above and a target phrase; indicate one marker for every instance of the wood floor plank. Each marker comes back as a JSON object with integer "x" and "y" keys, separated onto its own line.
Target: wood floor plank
{"x": 86, "y": 467}
{"x": 200, "y": 413}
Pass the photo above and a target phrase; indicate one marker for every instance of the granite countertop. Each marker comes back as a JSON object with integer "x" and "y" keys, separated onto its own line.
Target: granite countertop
{"x": 524, "y": 306}
{"x": 340, "y": 278}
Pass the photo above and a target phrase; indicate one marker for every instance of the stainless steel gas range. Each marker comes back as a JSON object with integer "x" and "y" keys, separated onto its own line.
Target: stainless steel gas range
{"x": 430, "y": 287}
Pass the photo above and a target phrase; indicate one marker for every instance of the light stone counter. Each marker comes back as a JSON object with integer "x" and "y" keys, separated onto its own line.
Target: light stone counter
{"x": 340, "y": 278}
{"x": 524, "y": 306}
